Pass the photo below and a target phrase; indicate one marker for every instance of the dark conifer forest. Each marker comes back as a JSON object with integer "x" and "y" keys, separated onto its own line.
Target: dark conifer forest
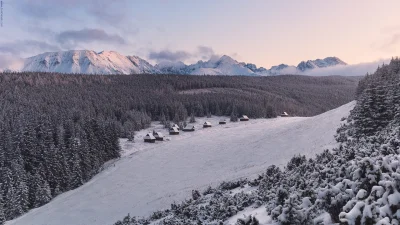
{"x": 56, "y": 131}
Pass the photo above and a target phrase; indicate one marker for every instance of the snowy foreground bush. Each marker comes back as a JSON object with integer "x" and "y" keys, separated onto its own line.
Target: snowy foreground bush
{"x": 357, "y": 183}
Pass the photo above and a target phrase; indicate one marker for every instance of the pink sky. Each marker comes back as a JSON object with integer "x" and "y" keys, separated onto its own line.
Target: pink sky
{"x": 264, "y": 32}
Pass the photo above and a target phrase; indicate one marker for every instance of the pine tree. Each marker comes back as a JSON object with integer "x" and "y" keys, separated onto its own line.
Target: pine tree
{"x": 218, "y": 110}
{"x": 192, "y": 118}
{"x": 269, "y": 111}
{"x": 290, "y": 212}
{"x": 23, "y": 196}
{"x": 167, "y": 125}
{"x": 131, "y": 136}
{"x": 12, "y": 206}
{"x": 43, "y": 194}
{"x": 2, "y": 215}
{"x": 75, "y": 179}
{"x": 195, "y": 194}
{"x": 176, "y": 118}
{"x": 234, "y": 117}
{"x": 162, "y": 118}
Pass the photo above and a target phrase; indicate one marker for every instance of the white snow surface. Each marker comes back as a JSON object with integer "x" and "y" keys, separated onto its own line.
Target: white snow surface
{"x": 150, "y": 177}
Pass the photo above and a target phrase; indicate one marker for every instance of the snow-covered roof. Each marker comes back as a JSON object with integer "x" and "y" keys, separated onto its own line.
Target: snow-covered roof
{"x": 158, "y": 134}
{"x": 244, "y": 117}
{"x": 285, "y": 113}
{"x": 189, "y": 127}
{"x": 175, "y": 125}
{"x": 149, "y": 136}
{"x": 174, "y": 129}
{"x": 222, "y": 120}
{"x": 207, "y": 123}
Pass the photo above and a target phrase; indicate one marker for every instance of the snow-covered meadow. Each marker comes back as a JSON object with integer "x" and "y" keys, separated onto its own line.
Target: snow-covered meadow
{"x": 150, "y": 177}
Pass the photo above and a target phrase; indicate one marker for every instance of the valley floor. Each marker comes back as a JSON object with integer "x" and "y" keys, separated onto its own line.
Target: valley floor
{"x": 150, "y": 177}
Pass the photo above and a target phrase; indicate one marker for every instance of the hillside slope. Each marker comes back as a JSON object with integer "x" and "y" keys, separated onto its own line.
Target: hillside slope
{"x": 151, "y": 176}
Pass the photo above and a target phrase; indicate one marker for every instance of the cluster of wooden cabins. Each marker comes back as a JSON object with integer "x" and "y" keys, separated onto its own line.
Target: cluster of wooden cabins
{"x": 174, "y": 130}
{"x": 153, "y": 137}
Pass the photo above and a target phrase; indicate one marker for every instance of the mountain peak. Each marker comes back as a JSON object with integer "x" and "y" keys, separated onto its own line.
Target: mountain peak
{"x": 279, "y": 67}
{"x": 87, "y": 62}
{"x": 225, "y": 59}
{"x": 320, "y": 63}
{"x": 335, "y": 59}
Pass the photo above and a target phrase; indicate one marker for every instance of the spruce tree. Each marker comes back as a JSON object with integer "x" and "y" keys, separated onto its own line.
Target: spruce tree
{"x": 2, "y": 215}
{"x": 192, "y": 118}
{"x": 233, "y": 117}
{"x": 43, "y": 194}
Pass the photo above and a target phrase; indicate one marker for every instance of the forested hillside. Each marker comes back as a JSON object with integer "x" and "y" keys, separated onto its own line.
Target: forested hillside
{"x": 56, "y": 131}
{"x": 357, "y": 183}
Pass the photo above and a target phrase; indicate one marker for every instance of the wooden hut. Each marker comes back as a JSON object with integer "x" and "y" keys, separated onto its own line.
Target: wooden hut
{"x": 176, "y": 126}
{"x": 188, "y": 128}
{"x": 284, "y": 114}
{"x": 206, "y": 124}
{"x": 159, "y": 136}
{"x": 222, "y": 121}
{"x": 244, "y": 118}
{"x": 149, "y": 138}
{"x": 173, "y": 131}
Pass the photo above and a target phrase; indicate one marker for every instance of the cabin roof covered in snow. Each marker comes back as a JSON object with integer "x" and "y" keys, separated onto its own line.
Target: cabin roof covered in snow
{"x": 207, "y": 123}
{"x": 158, "y": 134}
{"x": 174, "y": 129}
{"x": 189, "y": 127}
{"x": 149, "y": 136}
{"x": 244, "y": 116}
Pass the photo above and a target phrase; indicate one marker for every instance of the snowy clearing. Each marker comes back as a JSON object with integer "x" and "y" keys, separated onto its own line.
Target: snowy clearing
{"x": 150, "y": 177}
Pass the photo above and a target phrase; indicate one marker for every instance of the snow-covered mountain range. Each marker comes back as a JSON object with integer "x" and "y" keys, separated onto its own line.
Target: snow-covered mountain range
{"x": 87, "y": 62}
{"x": 111, "y": 62}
